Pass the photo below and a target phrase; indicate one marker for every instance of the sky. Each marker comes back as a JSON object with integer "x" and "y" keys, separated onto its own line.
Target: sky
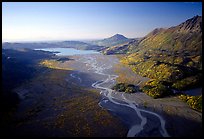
{"x": 41, "y": 21}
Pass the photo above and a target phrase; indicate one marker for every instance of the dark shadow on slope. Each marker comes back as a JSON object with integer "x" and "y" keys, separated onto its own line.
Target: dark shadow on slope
{"x": 18, "y": 66}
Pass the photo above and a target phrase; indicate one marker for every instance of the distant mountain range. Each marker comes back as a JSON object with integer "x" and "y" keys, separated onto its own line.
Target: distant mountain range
{"x": 61, "y": 44}
{"x": 78, "y": 45}
{"x": 88, "y": 45}
{"x": 184, "y": 38}
{"x": 111, "y": 41}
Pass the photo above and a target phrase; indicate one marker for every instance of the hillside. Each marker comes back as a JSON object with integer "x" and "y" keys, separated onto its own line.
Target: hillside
{"x": 185, "y": 37}
{"x": 171, "y": 57}
{"x": 111, "y": 41}
{"x": 78, "y": 45}
{"x": 123, "y": 48}
{"x": 18, "y": 66}
{"x": 61, "y": 44}
{"x": 89, "y": 45}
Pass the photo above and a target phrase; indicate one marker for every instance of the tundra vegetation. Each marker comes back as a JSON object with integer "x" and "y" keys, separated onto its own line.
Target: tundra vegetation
{"x": 171, "y": 57}
{"x": 124, "y": 87}
{"x": 54, "y": 64}
{"x": 194, "y": 102}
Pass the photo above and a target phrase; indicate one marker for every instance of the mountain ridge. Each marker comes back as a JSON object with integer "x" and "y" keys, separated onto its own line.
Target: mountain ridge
{"x": 171, "y": 56}
{"x": 117, "y": 37}
{"x": 111, "y": 41}
{"x": 62, "y": 44}
{"x": 186, "y": 35}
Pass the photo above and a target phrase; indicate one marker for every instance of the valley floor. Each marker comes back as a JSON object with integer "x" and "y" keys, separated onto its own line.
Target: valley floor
{"x": 64, "y": 103}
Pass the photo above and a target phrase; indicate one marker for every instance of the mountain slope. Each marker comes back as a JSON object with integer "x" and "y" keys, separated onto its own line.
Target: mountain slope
{"x": 184, "y": 37}
{"x": 173, "y": 55}
{"x": 78, "y": 45}
{"x": 122, "y": 48}
{"x": 114, "y": 40}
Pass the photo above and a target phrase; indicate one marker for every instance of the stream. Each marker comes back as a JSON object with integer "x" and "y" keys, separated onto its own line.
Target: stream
{"x": 137, "y": 119}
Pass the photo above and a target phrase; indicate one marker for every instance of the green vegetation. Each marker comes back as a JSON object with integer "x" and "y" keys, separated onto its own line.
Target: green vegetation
{"x": 121, "y": 48}
{"x": 124, "y": 87}
{"x": 170, "y": 55}
{"x": 194, "y": 102}
{"x": 53, "y": 64}
{"x": 171, "y": 58}
{"x": 188, "y": 82}
{"x": 156, "y": 89}
{"x": 77, "y": 113}
{"x": 163, "y": 68}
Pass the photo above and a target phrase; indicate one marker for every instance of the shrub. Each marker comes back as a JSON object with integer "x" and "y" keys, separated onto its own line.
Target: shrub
{"x": 195, "y": 102}
{"x": 130, "y": 90}
{"x": 124, "y": 87}
{"x": 156, "y": 89}
{"x": 187, "y": 83}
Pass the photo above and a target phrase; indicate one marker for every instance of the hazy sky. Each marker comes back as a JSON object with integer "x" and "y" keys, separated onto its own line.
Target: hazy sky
{"x": 34, "y": 21}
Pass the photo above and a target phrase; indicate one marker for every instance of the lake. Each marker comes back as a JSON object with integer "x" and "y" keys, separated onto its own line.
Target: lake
{"x": 68, "y": 51}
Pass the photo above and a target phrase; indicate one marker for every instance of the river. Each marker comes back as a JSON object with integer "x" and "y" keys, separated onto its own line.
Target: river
{"x": 64, "y": 103}
{"x": 136, "y": 118}
{"x": 129, "y": 108}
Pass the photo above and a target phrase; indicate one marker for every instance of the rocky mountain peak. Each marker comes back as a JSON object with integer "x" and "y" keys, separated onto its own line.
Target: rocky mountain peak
{"x": 193, "y": 25}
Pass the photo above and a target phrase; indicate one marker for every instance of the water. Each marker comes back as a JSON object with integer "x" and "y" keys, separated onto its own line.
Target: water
{"x": 68, "y": 51}
{"x": 137, "y": 119}
{"x": 193, "y": 92}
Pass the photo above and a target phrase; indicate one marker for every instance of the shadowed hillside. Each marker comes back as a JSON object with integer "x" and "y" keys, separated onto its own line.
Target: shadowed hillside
{"x": 17, "y": 67}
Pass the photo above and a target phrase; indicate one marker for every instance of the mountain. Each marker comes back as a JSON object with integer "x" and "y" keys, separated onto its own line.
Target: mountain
{"x": 122, "y": 48}
{"x": 61, "y": 44}
{"x": 191, "y": 25}
{"x": 183, "y": 38}
{"x": 14, "y": 45}
{"x": 78, "y": 45}
{"x": 186, "y": 37}
{"x": 173, "y": 55}
{"x": 111, "y": 41}
{"x": 89, "y": 45}
{"x": 117, "y": 37}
